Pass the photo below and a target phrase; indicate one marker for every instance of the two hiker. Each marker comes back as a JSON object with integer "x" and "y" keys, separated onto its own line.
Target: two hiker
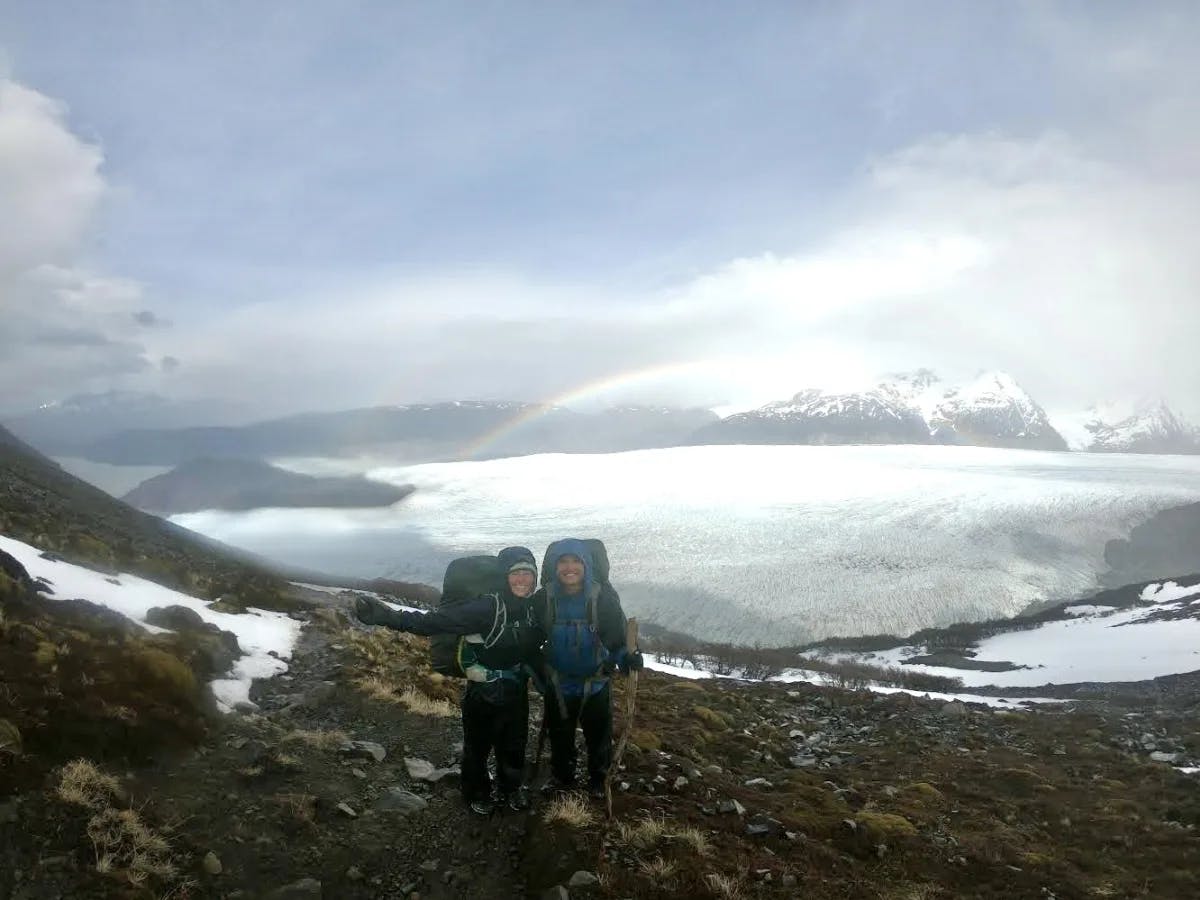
{"x": 570, "y": 636}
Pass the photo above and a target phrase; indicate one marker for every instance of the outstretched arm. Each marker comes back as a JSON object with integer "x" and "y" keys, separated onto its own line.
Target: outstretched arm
{"x": 474, "y": 616}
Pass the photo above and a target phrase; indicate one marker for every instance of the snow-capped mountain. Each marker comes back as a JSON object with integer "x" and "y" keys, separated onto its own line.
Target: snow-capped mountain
{"x": 817, "y": 417}
{"x": 905, "y": 408}
{"x": 1149, "y": 426}
{"x": 993, "y": 411}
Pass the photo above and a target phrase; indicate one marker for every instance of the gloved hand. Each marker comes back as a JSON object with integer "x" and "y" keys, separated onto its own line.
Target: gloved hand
{"x": 632, "y": 662}
{"x": 374, "y": 612}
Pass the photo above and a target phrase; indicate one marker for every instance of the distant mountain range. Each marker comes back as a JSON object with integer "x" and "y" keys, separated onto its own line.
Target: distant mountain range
{"x": 1149, "y": 426}
{"x": 910, "y": 408}
{"x": 915, "y": 407}
{"x": 240, "y": 484}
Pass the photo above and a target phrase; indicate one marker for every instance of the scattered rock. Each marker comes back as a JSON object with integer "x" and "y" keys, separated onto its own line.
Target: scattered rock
{"x": 731, "y": 806}
{"x": 583, "y": 879}
{"x": 304, "y": 889}
{"x": 354, "y": 873}
{"x": 398, "y": 800}
{"x": 212, "y": 864}
{"x": 1164, "y": 757}
{"x": 347, "y": 810}
{"x": 358, "y": 773}
{"x": 364, "y": 750}
{"x": 760, "y": 783}
{"x": 680, "y": 783}
{"x": 802, "y": 761}
{"x": 424, "y": 770}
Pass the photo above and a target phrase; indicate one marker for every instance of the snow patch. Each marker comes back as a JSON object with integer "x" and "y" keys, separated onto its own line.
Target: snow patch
{"x": 1169, "y": 592}
{"x": 259, "y": 632}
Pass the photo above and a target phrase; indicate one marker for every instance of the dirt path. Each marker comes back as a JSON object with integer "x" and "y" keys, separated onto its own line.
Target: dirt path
{"x": 274, "y": 796}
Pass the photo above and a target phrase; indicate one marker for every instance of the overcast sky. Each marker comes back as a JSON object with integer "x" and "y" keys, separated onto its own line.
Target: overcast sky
{"x": 305, "y": 205}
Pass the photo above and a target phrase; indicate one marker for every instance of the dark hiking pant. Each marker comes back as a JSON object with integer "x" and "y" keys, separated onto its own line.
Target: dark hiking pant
{"x": 495, "y": 718}
{"x": 594, "y": 714}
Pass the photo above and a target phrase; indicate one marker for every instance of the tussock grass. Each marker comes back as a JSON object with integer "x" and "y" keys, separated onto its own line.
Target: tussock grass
{"x": 425, "y": 705}
{"x": 327, "y": 741}
{"x": 570, "y": 809}
{"x": 299, "y": 807}
{"x": 695, "y": 839}
{"x": 657, "y": 869}
{"x": 728, "y": 887}
{"x": 643, "y": 834}
{"x": 123, "y": 841}
{"x": 83, "y": 784}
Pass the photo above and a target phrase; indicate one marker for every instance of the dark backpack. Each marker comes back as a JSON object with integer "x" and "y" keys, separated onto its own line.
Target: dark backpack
{"x": 466, "y": 579}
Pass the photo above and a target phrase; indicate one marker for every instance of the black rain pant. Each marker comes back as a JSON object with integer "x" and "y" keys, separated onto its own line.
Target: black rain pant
{"x": 594, "y": 714}
{"x": 495, "y": 718}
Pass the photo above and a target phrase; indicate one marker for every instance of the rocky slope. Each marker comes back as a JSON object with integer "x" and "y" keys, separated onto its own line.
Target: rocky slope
{"x": 240, "y": 484}
{"x": 336, "y": 787}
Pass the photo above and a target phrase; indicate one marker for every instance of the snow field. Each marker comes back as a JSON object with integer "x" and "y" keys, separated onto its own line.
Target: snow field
{"x": 259, "y": 632}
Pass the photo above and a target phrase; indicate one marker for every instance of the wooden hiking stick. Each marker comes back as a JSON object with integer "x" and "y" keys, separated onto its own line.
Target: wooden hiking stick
{"x": 631, "y": 643}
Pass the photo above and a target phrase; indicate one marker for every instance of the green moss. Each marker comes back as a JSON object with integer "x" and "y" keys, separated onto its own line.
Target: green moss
{"x": 710, "y": 717}
{"x": 165, "y": 671}
{"x": 885, "y": 825}
{"x": 646, "y": 739}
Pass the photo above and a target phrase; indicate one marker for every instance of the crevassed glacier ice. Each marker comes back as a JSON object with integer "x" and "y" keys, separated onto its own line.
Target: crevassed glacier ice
{"x": 769, "y": 544}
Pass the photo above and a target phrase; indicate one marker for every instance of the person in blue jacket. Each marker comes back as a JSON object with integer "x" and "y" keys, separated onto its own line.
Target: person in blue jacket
{"x": 495, "y": 704}
{"x": 583, "y": 627}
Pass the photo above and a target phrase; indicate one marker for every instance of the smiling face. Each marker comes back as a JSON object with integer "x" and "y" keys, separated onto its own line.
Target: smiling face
{"x": 520, "y": 582}
{"x": 569, "y": 571}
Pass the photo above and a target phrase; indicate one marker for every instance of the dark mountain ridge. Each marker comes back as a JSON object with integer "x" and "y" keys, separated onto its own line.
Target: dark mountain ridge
{"x": 241, "y": 484}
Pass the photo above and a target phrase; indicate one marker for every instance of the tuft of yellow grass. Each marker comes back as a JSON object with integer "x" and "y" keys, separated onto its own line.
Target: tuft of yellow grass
{"x": 570, "y": 809}
{"x": 426, "y": 706}
{"x": 658, "y": 869}
{"x": 301, "y": 807}
{"x": 726, "y": 887}
{"x": 83, "y": 784}
{"x": 123, "y": 841}
{"x": 643, "y": 834}
{"x": 694, "y": 838}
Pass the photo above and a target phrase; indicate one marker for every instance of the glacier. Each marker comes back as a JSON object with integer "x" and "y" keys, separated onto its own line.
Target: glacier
{"x": 770, "y": 544}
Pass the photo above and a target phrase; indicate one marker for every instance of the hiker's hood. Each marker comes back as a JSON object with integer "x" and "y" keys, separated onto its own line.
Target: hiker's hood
{"x": 568, "y": 547}
{"x": 510, "y": 557}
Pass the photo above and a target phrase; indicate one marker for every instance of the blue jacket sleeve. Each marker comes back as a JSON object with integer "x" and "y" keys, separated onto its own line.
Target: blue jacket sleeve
{"x": 473, "y": 617}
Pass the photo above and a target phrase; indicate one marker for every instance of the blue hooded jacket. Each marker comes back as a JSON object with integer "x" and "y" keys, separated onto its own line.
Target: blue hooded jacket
{"x": 585, "y": 630}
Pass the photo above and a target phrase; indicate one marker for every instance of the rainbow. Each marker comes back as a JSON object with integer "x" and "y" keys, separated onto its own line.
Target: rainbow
{"x": 587, "y": 391}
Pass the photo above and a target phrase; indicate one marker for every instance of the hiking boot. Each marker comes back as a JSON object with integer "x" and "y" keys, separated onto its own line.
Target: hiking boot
{"x": 482, "y": 807}
{"x": 518, "y": 800}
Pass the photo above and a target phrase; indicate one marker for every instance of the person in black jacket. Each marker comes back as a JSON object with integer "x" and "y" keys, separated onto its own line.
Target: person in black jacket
{"x": 495, "y": 704}
{"x": 580, "y": 618}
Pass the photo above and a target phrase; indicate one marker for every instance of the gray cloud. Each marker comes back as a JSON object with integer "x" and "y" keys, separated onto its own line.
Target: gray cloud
{"x": 1031, "y": 209}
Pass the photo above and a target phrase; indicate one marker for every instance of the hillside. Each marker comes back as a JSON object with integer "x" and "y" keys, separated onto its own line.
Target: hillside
{"x": 334, "y": 787}
{"x": 241, "y": 484}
